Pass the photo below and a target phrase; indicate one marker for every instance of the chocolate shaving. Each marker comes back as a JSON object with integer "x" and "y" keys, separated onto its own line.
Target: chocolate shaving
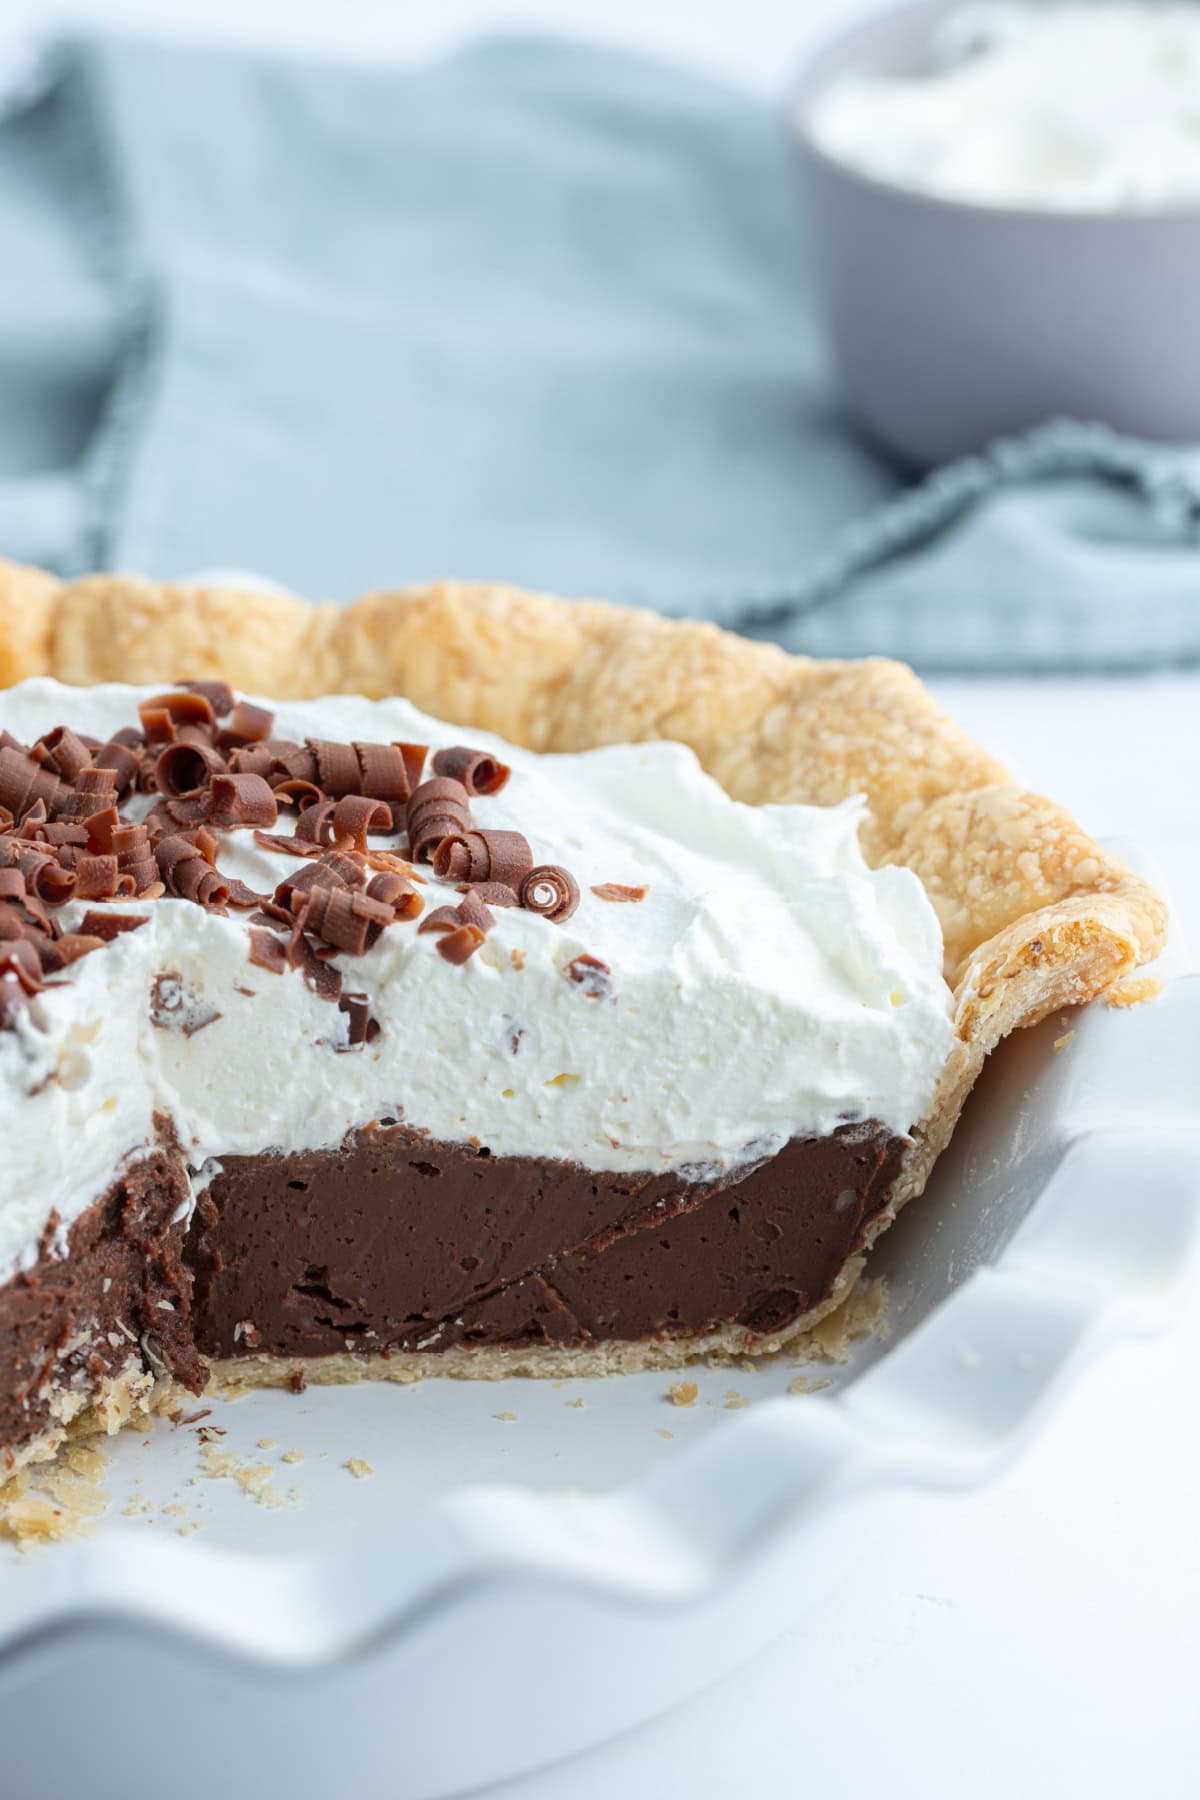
{"x": 108, "y": 925}
{"x": 73, "y": 945}
{"x": 240, "y": 896}
{"x": 173, "y": 1006}
{"x": 493, "y": 893}
{"x": 268, "y": 951}
{"x": 616, "y": 890}
{"x": 458, "y": 946}
{"x": 479, "y": 772}
{"x": 590, "y": 974}
{"x": 286, "y": 846}
{"x": 414, "y": 762}
{"x": 549, "y": 891}
{"x": 324, "y": 980}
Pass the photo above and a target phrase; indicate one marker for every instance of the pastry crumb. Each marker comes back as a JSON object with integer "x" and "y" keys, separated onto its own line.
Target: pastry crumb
{"x": 580, "y": 1402}
{"x": 358, "y": 1467}
{"x": 683, "y": 1393}
{"x": 1134, "y": 992}
{"x": 799, "y": 1385}
{"x": 1062, "y": 1042}
{"x": 266, "y": 1443}
{"x": 508, "y": 1417}
{"x": 662, "y": 1432}
{"x": 734, "y": 1401}
{"x": 292, "y": 1456}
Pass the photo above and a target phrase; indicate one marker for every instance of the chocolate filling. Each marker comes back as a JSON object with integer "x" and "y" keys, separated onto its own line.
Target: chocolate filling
{"x": 121, "y": 1291}
{"x": 394, "y": 1243}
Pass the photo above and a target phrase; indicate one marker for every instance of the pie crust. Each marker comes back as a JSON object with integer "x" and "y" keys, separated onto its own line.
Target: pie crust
{"x": 1035, "y": 914}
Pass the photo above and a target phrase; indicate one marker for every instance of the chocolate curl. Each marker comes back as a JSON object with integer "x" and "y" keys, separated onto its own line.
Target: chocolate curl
{"x": 549, "y": 891}
{"x": 183, "y": 709}
{"x": 383, "y": 772}
{"x": 186, "y": 768}
{"x": 315, "y": 824}
{"x": 19, "y": 961}
{"x": 337, "y": 766}
{"x": 362, "y": 1027}
{"x": 109, "y": 925}
{"x": 94, "y": 789}
{"x": 439, "y": 808}
{"x": 319, "y": 975}
{"x": 219, "y": 695}
{"x": 250, "y": 724}
{"x": 503, "y": 857}
{"x": 414, "y": 761}
{"x": 122, "y": 762}
{"x": 458, "y": 946}
{"x": 73, "y": 945}
{"x": 356, "y": 814}
{"x": 253, "y": 759}
{"x": 344, "y": 918}
{"x": 54, "y": 884}
{"x": 100, "y": 827}
{"x": 289, "y": 761}
{"x": 6, "y": 820}
{"x": 478, "y": 772}
{"x": 472, "y": 911}
{"x": 12, "y": 884}
{"x": 96, "y": 878}
{"x": 268, "y": 951}
{"x": 24, "y": 782}
{"x": 335, "y": 869}
{"x": 300, "y": 794}
{"x": 135, "y": 858}
{"x": 246, "y": 799}
{"x": 63, "y": 753}
{"x": 35, "y": 818}
{"x": 492, "y": 893}
{"x": 392, "y": 890}
{"x": 442, "y": 918}
{"x": 188, "y": 873}
{"x": 62, "y": 835}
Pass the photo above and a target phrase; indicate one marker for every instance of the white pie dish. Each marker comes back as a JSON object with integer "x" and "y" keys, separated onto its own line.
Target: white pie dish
{"x": 433, "y": 1611}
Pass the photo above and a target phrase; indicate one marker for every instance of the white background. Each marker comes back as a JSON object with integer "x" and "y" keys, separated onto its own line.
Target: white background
{"x": 1040, "y": 1638}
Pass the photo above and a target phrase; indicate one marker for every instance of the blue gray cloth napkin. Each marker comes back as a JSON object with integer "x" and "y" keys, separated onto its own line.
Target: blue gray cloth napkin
{"x": 539, "y": 312}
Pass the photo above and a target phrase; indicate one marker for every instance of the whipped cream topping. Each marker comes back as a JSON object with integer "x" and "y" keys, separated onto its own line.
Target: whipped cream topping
{"x": 769, "y": 985}
{"x": 1078, "y": 104}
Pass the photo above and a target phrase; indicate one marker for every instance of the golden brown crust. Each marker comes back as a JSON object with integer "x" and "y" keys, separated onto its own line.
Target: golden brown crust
{"x": 1035, "y": 914}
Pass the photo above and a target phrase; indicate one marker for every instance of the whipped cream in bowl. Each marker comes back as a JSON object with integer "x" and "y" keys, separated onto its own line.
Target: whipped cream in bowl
{"x": 733, "y": 977}
{"x": 1005, "y": 206}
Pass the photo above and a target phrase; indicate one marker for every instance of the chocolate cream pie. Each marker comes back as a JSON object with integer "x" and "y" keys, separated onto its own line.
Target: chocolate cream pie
{"x": 601, "y": 1029}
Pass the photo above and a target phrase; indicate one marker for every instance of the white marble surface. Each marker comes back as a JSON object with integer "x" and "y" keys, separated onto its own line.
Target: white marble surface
{"x": 1038, "y": 1638}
